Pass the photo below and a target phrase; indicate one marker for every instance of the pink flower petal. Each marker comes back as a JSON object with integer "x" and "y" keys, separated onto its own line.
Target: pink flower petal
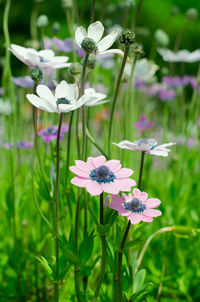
{"x": 79, "y": 181}
{"x": 113, "y": 165}
{"x": 84, "y": 166}
{"x": 124, "y": 172}
{"x": 98, "y": 161}
{"x": 126, "y": 197}
{"x": 111, "y": 188}
{"x": 117, "y": 199}
{"x": 124, "y": 184}
{"x": 79, "y": 172}
{"x": 116, "y": 206}
{"x": 136, "y": 193}
{"x": 152, "y": 203}
{"x": 90, "y": 162}
{"x": 152, "y": 213}
{"x": 145, "y": 218}
{"x": 94, "y": 188}
{"x": 135, "y": 218}
{"x": 143, "y": 196}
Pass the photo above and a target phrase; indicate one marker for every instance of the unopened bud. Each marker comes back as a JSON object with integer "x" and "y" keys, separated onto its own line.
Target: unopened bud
{"x": 42, "y": 21}
{"x": 75, "y": 69}
{"x": 91, "y": 63}
{"x": 192, "y": 14}
{"x": 56, "y": 27}
{"x": 161, "y": 38}
{"x": 36, "y": 75}
{"x": 127, "y": 37}
{"x": 89, "y": 46}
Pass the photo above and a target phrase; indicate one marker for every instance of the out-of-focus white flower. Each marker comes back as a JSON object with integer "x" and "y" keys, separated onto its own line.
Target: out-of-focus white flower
{"x": 5, "y": 107}
{"x": 95, "y": 32}
{"x": 179, "y": 56}
{"x": 96, "y": 97}
{"x": 144, "y": 69}
{"x": 65, "y": 98}
{"x": 43, "y": 59}
{"x": 147, "y": 145}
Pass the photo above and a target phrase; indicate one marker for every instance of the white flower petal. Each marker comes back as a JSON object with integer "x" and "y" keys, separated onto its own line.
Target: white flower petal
{"x": 60, "y": 59}
{"x": 39, "y": 103}
{"x": 114, "y": 52}
{"x": 47, "y": 53}
{"x": 65, "y": 90}
{"x": 107, "y": 41}
{"x": 80, "y": 34}
{"x": 95, "y": 31}
{"x": 158, "y": 153}
{"x": 45, "y": 93}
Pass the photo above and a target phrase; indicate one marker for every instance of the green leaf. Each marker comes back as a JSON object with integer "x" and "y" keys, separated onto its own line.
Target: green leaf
{"x": 86, "y": 248}
{"x": 139, "y": 280}
{"x": 72, "y": 258}
{"x": 45, "y": 265}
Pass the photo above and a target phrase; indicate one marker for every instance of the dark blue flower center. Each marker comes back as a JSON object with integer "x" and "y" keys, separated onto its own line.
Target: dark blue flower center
{"x": 50, "y": 130}
{"x": 62, "y": 101}
{"x": 135, "y": 206}
{"x": 43, "y": 60}
{"x": 102, "y": 175}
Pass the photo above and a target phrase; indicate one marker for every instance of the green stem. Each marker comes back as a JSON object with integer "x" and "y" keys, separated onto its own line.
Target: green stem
{"x": 82, "y": 90}
{"x": 120, "y": 254}
{"x": 56, "y": 281}
{"x": 95, "y": 143}
{"x": 92, "y": 14}
{"x": 77, "y": 134}
{"x": 104, "y": 246}
{"x": 115, "y": 100}
{"x": 69, "y": 144}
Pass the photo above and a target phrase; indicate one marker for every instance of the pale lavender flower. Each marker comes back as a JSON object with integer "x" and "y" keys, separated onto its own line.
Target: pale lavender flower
{"x": 50, "y": 133}
{"x": 167, "y": 94}
{"x": 27, "y": 82}
{"x": 143, "y": 123}
{"x": 19, "y": 145}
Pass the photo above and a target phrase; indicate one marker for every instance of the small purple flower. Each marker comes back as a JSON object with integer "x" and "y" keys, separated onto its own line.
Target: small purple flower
{"x": 50, "y": 133}
{"x": 27, "y": 82}
{"x": 19, "y": 145}
{"x": 167, "y": 94}
{"x": 143, "y": 123}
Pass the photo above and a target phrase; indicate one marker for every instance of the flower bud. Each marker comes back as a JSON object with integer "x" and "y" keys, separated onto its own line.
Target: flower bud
{"x": 175, "y": 10}
{"x": 192, "y": 14}
{"x": 91, "y": 63}
{"x": 138, "y": 50}
{"x": 42, "y": 21}
{"x": 127, "y": 37}
{"x": 56, "y": 27}
{"x": 75, "y": 69}
{"x": 89, "y": 46}
{"x": 36, "y": 75}
{"x": 67, "y": 3}
{"x": 161, "y": 38}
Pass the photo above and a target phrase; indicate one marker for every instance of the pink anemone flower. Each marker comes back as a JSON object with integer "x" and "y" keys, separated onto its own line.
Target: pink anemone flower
{"x": 99, "y": 176}
{"x": 136, "y": 207}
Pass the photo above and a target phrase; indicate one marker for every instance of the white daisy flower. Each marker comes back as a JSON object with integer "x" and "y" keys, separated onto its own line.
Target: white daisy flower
{"x": 144, "y": 69}
{"x": 65, "y": 98}
{"x": 179, "y": 56}
{"x": 147, "y": 145}
{"x": 43, "y": 59}
{"x": 96, "y": 97}
{"x": 95, "y": 33}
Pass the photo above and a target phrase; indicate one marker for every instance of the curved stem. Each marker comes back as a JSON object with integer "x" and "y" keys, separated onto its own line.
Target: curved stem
{"x": 115, "y": 100}
{"x": 56, "y": 281}
{"x": 95, "y": 143}
{"x": 104, "y": 246}
{"x": 160, "y": 231}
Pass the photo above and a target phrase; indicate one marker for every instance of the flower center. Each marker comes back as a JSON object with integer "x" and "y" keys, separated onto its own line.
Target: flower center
{"x": 135, "y": 206}
{"x": 102, "y": 175}
{"x": 89, "y": 46}
{"x": 63, "y": 101}
{"x": 50, "y": 130}
{"x": 43, "y": 60}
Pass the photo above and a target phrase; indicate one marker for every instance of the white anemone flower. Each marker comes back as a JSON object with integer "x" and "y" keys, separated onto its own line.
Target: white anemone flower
{"x": 147, "y": 145}
{"x": 5, "y": 107}
{"x": 144, "y": 70}
{"x": 179, "y": 56}
{"x": 95, "y": 32}
{"x": 97, "y": 98}
{"x": 43, "y": 59}
{"x": 65, "y": 98}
